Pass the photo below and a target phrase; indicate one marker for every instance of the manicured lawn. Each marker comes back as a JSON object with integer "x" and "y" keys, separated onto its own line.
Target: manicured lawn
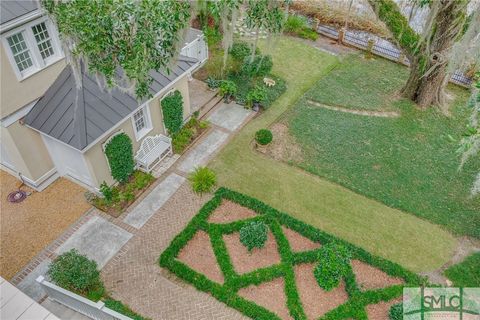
{"x": 276, "y": 280}
{"x": 407, "y": 162}
{"x": 466, "y": 273}
{"x": 384, "y": 231}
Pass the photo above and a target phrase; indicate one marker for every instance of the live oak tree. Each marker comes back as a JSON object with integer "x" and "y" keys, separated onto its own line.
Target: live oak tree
{"x": 429, "y": 53}
{"x": 121, "y": 41}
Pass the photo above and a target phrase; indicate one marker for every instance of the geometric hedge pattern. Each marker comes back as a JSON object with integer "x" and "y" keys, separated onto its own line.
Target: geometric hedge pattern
{"x": 354, "y": 307}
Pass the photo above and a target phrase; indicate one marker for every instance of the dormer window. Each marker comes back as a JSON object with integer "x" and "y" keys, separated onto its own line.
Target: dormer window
{"x": 32, "y": 47}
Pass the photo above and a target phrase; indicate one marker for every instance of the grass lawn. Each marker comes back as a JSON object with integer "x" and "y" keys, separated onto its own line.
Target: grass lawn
{"x": 286, "y": 275}
{"x": 407, "y": 162}
{"x": 384, "y": 231}
{"x": 466, "y": 273}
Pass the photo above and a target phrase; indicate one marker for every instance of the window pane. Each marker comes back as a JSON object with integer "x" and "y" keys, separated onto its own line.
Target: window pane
{"x": 20, "y": 51}
{"x": 44, "y": 42}
{"x": 139, "y": 119}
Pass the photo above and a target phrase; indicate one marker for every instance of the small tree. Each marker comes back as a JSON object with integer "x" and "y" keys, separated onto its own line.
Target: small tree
{"x": 172, "y": 109}
{"x": 119, "y": 152}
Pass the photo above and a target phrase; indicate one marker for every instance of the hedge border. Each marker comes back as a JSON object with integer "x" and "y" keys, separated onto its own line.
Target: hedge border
{"x": 227, "y": 293}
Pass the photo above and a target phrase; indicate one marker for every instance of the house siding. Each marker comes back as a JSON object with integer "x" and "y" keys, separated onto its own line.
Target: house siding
{"x": 26, "y": 151}
{"x": 95, "y": 157}
{"x": 16, "y": 94}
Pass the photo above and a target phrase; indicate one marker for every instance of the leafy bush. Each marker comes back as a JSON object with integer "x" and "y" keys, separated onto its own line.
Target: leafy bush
{"x": 274, "y": 92}
{"x": 213, "y": 36}
{"x": 212, "y": 83}
{"x": 240, "y": 50}
{"x": 257, "y": 94}
{"x": 202, "y": 180}
{"x": 106, "y": 191}
{"x": 259, "y": 67}
{"x": 77, "y": 273}
{"x": 263, "y": 136}
{"x": 228, "y": 88}
{"x": 119, "y": 153}
{"x": 396, "y": 312}
{"x": 334, "y": 260}
{"x": 298, "y": 25}
{"x": 254, "y": 235}
{"x": 182, "y": 139}
{"x": 142, "y": 179}
{"x": 172, "y": 109}
{"x": 466, "y": 273}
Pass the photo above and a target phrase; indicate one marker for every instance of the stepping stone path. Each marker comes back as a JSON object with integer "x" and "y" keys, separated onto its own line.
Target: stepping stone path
{"x": 229, "y": 116}
{"x": 98, "y": 239}
{"x": 154, "y": 201}
{"x": 199, "y": 155}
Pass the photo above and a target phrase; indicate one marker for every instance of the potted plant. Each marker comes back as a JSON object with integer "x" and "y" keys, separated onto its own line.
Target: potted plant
{"x": 255, "y": 97}
{"x": 228, "y": 89}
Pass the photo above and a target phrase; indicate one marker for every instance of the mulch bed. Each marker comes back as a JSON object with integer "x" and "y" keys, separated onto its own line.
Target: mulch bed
{"x": 316, "y": 301}
{"x": 244, "y": 261}
{"x": 270, "y": 295}
{"x": 298, "y": 242}
{"x": 198, "y": 254}
{"x": 369, "y": 277}
{"x": 230, "y": 211}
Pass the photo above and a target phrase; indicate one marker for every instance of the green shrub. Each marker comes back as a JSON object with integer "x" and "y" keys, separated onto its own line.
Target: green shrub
{"x": 259, "y": 67}
{"x": 396, "y": 312}
{"x": 295, "y": 23}
{"x": 213, "y": 83}
{"x": 334, "y": 260}
{"x": 142, "y": 179}
{"x": 228, "y": 88}
{"x": 308, "y": 34}
{"x": 106, "y": 191}
{"x": 119, "y": 153}
{"x": 212, "y": 35}
{"x": 182, "y": 139}
{"x": 172, "y": 109}
{"x": 254, "y": 235}
{"x": 119, "y": 307}
{"x": 257, "y": 94}
{"x": 240, "y": 50}
{"x": 263, "y": 136}
{"x": 202, "y": 180}
{"x": 75, "y": 272}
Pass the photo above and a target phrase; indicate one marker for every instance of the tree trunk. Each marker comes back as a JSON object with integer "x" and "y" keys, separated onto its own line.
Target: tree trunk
{"x": 429, "y": 57}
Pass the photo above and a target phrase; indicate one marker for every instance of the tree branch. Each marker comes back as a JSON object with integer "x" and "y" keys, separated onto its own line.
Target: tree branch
{"x": 389, "y": 13}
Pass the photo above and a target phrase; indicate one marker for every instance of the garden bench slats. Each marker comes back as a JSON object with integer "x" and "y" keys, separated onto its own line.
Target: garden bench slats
{"x": 153, "y": 150}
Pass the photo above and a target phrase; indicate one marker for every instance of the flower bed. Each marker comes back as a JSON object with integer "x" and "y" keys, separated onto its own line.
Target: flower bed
{"x": 188, "y": 134}
{"x": 277, "y": 280}
{"x": 122, "y": 195}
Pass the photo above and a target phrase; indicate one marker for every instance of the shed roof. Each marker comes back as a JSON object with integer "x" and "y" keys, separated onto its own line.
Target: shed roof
{"x": 11, "y": 9}
{"x": 78, "y": 116}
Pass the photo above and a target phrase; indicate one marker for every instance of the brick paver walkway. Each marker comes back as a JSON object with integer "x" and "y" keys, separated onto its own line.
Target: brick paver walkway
{"x": 135, "y": 278}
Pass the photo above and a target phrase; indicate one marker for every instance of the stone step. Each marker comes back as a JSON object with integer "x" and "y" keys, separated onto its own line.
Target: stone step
{"x": 210, "y": 105}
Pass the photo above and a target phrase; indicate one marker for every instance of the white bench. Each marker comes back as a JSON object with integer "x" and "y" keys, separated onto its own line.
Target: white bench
{"x": 153, "y": 150}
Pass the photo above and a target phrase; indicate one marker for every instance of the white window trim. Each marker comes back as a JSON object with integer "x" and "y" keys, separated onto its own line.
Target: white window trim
{"x": 38, "y": 63}
{"x": 148, "y": 122}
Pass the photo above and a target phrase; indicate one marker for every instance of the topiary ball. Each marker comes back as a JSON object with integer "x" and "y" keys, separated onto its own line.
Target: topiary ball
{"x": 396, "y": 312}
{"x": 333, "y": 264}
{"x": 263, "y": 136}
{"x": 254, "y": 235}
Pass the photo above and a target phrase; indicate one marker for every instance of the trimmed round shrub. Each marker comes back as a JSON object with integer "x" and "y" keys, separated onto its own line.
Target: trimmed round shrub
{"x": 396, "y": 312}
{"x": 119, "y": 152}
{"x": 254, "y": 235}
{"x": 203, "y": 180}
{"x": 259, "y": 67}
{"x": 333, "y": 264}
{"x": 75, "y": 272}
{"x": 263, "y": 136}
{"x": 172, "y": 109}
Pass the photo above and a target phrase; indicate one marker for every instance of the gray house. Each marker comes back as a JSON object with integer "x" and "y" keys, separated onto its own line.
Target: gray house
{"x": 46, "y": 132}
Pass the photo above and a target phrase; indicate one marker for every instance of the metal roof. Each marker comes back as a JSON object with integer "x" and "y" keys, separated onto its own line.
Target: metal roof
{"x": 10, "y": 9}
{"x": 79, "y": 116}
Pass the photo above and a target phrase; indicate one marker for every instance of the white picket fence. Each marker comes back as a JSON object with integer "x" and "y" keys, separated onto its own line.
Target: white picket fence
{"x": 94, "y": 310}
{"x": 381, "y": 47}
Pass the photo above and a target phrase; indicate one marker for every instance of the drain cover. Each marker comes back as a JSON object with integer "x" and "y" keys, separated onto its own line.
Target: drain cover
{"x": 16, "y": 196}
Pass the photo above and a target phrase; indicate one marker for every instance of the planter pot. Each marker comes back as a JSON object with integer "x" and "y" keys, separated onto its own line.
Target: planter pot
{"x": 256, "y": 106}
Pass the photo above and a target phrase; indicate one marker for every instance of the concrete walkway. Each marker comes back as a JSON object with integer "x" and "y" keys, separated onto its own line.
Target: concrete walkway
{"x": 229, "y": 116}
{"x": 154, "y": 201}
